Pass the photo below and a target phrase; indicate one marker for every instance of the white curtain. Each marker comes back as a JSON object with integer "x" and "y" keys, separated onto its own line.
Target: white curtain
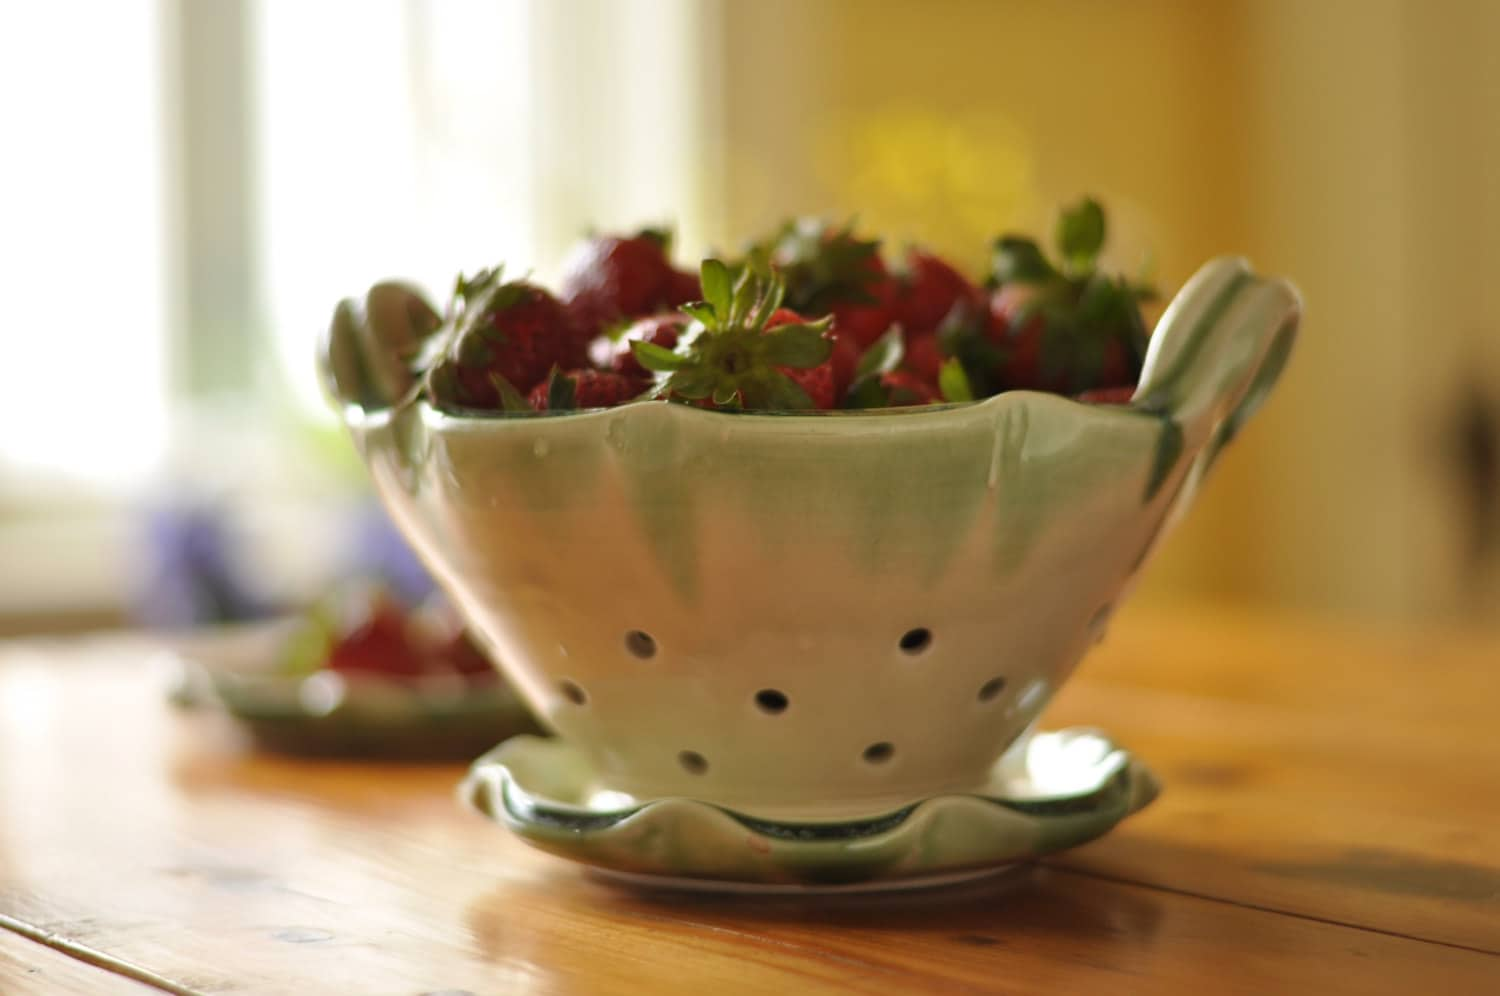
{"x": 394, "y": 142}
{"x": 84, "y": 226}
{"x": 389, "y": 137}
{"x": 417, "y": 139}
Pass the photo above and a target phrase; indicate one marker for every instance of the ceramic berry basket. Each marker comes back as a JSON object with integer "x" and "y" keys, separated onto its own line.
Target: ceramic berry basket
{"x": 798, "y": 619}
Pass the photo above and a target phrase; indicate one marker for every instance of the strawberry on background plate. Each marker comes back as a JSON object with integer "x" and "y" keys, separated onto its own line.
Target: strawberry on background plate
{"x": 364, "y": 629}
{"x": 373, "y": 638}
{"x": 504, "y": 335}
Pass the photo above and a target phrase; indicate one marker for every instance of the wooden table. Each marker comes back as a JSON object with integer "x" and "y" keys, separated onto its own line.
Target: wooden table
{"x": 1331, "y": 822}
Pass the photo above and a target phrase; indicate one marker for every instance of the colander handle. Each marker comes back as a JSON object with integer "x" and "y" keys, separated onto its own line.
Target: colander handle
{"x": 1217, "y": 352}
{"x": 364, "y": 356}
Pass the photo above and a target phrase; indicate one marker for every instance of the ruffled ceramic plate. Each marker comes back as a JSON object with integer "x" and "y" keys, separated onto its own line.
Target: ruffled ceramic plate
{"x": 1053, "y": 791}
{"x": 335, "y": 715}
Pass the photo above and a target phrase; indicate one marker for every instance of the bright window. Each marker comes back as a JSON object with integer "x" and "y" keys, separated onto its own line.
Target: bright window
{"x": 83, "y": 241}
{"x": 394, "y": 141}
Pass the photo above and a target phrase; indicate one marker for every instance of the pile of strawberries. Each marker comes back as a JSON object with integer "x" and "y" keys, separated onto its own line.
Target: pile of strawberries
{"x": 367, "y": 629}
{"x": 811, "y": 317}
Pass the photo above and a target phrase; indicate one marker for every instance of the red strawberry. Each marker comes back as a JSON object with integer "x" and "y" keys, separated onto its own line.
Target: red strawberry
{"x": 1021, "y": 343}
{"x": 822, "y": 382}
{"x": 1024, "y": 337}
{"x": 378, "y": 641}
{"x": 1068, "y": 326}
{"x": 1107, "y": 395}
{"x": 659, "y": 330}
{"x": 924, "y": 357}
{"x": 845, "y": 357}
{"x": 581, "y": 389}
{"x": 462, "y": 655}
{"x": 931, "y": 290}
{"x": 681, "y": 288}
{"x": 830, "y": 271}
{"x": 904, "y": 388}
{"x": 610, "y": 277}
{"x": 865, "y": 322}
{"x": 515, "y": 330}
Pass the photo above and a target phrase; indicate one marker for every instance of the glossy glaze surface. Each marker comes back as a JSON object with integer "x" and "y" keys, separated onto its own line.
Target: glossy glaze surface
{"x": 1055, "y": 791}
{"x": 910, "y": 588}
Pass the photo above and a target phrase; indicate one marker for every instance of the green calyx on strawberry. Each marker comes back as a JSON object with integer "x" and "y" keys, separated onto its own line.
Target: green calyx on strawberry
{"x": 826, "y": 382}
{"x": 884, "y": 378}
{"x": 882, "y": 358}
{"x": 831, "y": 271}
{"x": 660, "y": 330}
{"x": 503, "y": 340}
{"x": 728, "y": 357}
{"x": 1067, "y": 327}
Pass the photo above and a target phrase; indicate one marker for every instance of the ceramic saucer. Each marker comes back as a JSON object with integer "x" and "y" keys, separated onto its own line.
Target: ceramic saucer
{"x": 1053, "y": 791}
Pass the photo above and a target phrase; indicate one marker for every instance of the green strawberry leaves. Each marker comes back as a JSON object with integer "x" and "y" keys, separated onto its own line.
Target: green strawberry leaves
{"x": 728, "y": 355}
{"x": 485, "y": 292}
{"x": 824, "y": 265}
{"x": 868, "y": 393}
{"x": 658, "y": 358}
{"x": 1080, "y": 236}
{"x": 1082, "y": 309}
{"x": 694, "y": 385}
{"x": 1018, "y": 260}
{"x": 511, "y": 400}
{"x": 964, "y": 336}
{"x": 884, "y": 355}
{"x": 953, "y": 381}
{"x": 798, "y": 346}
{"x": 784, "y": 394}
{"x": 717, "y": 291}
{"x": 562, "y": 392}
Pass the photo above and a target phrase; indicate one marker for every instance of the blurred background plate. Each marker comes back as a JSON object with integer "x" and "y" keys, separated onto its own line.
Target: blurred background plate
{"x": 329, "y": 714}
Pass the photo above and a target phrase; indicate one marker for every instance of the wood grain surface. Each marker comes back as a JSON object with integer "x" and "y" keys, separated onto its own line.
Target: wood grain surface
{"x": 1328, "y": 825}
{"x": 27, "y": 967}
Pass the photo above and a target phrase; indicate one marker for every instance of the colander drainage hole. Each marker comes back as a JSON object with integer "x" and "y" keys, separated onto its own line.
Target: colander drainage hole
{"x": 879, "y": 753}
{"x": 573, "y": 692}
{"x": 991, "y": 689}
{"x": 692, "y": 762}
{"x": 914, "y": 641}
{"x": 640, "y": 644}
{"x": 771, "y": 701}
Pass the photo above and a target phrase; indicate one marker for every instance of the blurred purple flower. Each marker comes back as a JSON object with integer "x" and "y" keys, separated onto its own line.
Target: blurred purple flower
{"x": 190, "y": 574}
{"x": 378, "y": 551}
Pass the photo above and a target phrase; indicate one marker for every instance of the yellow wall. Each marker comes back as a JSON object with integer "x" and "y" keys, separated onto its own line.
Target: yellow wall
{"x": 999, "y": 111}
{"x": 1351, "y": 144}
